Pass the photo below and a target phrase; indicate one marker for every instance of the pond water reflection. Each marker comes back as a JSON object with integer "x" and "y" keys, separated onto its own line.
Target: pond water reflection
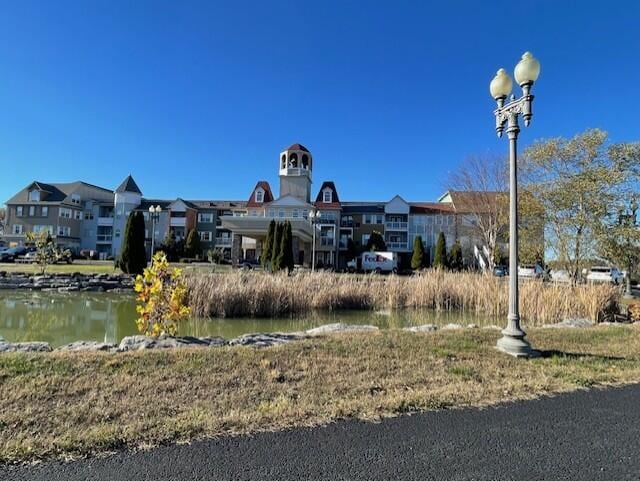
{"x": 59, "y": 318}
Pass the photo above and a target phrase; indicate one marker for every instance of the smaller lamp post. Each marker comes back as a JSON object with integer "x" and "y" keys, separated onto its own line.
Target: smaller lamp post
{"x": 154, "y": 213}
{"x": 314, "y": 216}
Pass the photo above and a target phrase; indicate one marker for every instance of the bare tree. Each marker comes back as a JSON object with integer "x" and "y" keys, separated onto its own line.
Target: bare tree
{"x": 478, "y": 189}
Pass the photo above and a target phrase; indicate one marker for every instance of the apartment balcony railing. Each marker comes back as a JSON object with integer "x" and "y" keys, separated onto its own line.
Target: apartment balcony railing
{"x": 104, "y": 238}
{"x": 327, "y": 241}
{"x": 397, "y": 246}
{"x": 346, "y": 223}
{"x": 223, "y": 241}
{"x": 396, "y": 225}
{"x": 105, "y": 220}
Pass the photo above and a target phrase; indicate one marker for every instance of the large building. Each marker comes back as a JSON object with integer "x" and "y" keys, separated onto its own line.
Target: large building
{"x": 81, "y": 216}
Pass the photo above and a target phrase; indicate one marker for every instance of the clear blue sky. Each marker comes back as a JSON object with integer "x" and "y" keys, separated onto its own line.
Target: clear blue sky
{"x": 196, "y": 99}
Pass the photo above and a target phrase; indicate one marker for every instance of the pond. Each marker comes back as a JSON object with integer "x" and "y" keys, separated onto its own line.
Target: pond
{"x": 61, "y": 318}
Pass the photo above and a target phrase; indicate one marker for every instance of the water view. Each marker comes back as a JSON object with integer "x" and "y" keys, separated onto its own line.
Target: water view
{"x": 61, "y": 318}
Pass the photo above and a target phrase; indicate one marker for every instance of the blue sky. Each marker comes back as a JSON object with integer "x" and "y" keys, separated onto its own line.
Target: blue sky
{"x": 196, "y": 99}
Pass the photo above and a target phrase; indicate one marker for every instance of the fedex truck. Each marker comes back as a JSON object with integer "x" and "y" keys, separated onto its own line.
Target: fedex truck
{"x": 374, "y": 262}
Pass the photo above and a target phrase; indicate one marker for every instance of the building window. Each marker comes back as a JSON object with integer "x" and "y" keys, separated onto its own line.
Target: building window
{"x": 281, "y": 213}
{"x": 326, "y": 197}
{"x": 17, "y": 229}
{"x": 43, "y": 228}
{"x": 32, "y": 210}
{"x": 64, "y": 231}
{"x": 260, "y": 196}
{"x": 365, "y": 239}
{"x": 305, "y": 214}
{"x": 117, "y": 234}
{"x": 295, "y": 213}
{"x": 44, "y": 211}
{"x": 75, "y": 199}
{"x": 205, "y": 236}
{"x": 34, "y": 196}
{"x": 77, "y": 214}
{"x": 19, "y": 211}
{"x": 205, "y": 217}
{"x": 64, "y": 212}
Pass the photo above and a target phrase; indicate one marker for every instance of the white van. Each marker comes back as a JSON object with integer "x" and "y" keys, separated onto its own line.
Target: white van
{"x": 374, "y": 262}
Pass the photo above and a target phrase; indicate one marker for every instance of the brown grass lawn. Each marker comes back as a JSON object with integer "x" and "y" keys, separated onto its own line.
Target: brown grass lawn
{"x": 54, "y": 405}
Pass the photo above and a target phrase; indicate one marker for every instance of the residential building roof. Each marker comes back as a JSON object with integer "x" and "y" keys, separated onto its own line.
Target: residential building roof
{"x": 471, "y": 201}
{"x": 335, "y": 200}
{"x": 268, "y": 195}
{"x": 129, "y": 185}
{"x": 430, "y": 207}
{"x": 56, "y": 192}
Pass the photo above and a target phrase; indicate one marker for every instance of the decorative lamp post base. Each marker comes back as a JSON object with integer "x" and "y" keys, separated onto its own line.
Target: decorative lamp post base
{"x": 514, "y": 344}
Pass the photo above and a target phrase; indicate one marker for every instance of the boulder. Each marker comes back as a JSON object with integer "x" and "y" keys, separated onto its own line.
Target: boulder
{"x": 572, "y": 323}
{"x": 451, "y": 327}
{"x": 94, "y": 346}
{"x": 265, "y": 340}
{"x": 339, "y": 327}
{"x": 136, "y": 343}
{"x": 422, "y": 328}
{"x": 25, "y": 347}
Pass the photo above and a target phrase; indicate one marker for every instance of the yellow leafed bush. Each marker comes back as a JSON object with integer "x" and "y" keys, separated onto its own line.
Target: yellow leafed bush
{"x": 161, "y": 298}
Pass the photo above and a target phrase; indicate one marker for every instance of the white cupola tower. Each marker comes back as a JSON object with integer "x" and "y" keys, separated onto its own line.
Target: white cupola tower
{"x": 296, "y": 165}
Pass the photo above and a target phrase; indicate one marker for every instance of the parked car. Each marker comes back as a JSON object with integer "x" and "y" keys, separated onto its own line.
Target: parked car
{"x": 560, "y": 275}
{"x": 605, "y": 274}
{"x": 248, "y": 263}
{"x": 30, "y": 256}
{"x": 500, "y": 271}
{"x": 531, "y": 271}
{"x": 10, "y": 254}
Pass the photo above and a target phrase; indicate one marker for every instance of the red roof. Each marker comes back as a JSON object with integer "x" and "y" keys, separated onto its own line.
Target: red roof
{"x": 430, "y": 208}
{"x": 268, "y": 196}
{"x": 297, "y": 147}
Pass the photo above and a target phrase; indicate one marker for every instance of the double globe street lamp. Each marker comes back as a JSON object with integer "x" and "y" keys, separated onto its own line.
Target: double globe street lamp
{"x": 154, "y": 213}
{"x": 526, "y": 73}
{"x": 314, "y": 217}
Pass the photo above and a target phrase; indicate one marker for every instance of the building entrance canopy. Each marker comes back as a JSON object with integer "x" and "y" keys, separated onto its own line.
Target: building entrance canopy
{"x": 257, "y": 227}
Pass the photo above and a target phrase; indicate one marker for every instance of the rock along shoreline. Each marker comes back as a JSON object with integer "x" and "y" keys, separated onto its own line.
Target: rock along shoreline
{"x": 142, "y": 343}
{"x": 72, "y": 282}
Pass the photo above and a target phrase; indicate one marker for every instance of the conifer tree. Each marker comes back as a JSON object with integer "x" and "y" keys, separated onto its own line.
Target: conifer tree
{"x": 286, "y": 250}
{"x": 376, "y": 242}
{"x": 267, "y": 245}
{"x": 133, "y": 257}
{"x": 440, "y": 258}
{"x": 193, "y": 248}
{"x": 417, "y": 259}
{"x": 275, "y": 249}
{"x": 455, "y": 256}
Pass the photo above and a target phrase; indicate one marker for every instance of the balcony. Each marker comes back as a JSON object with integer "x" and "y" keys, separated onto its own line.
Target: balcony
{"x": 106, "y": 221}
{"x": 346, "y": 223}
{"x": 397, "y": 246}
{"x": 178, "y": 221}
{"x": 223, "y": 241}
{"x": 327, "y": 241}
{"x": 104, "y": 239}
{"x": 396, "y": 225}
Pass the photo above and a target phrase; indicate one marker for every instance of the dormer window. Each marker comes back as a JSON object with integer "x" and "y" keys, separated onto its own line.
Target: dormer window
{"x": 75, "y": 199}
{"x": 326, "y": 197}
{"x": 34, "y": 196}
{"x": 260, "y": 196}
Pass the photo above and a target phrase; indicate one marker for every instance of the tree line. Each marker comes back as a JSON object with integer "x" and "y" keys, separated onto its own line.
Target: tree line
{"x": 578, "y": 202}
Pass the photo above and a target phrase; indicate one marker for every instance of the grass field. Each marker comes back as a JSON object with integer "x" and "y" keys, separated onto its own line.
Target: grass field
{"x": 102, "y": 267}
{"x": 54, "y": 405}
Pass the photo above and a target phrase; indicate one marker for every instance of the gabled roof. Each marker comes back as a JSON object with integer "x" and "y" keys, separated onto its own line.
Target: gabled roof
{"x": 430, "y": 207}
{"x": 472, "y": 201}
{"x": 129, "y": 185}
{"x": 335, "y": 200}
{"x": 289, "y": 200}
{"x": 56, "y": 192}
{"x": 268, "y": 196}
{"x": 297, "y": 147}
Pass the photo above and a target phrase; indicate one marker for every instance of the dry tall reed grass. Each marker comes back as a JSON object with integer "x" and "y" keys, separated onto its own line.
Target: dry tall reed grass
{"x": 256, "y": 294}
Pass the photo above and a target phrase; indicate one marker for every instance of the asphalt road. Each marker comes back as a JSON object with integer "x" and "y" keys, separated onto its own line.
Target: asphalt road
{"x": 590, "y": 435}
